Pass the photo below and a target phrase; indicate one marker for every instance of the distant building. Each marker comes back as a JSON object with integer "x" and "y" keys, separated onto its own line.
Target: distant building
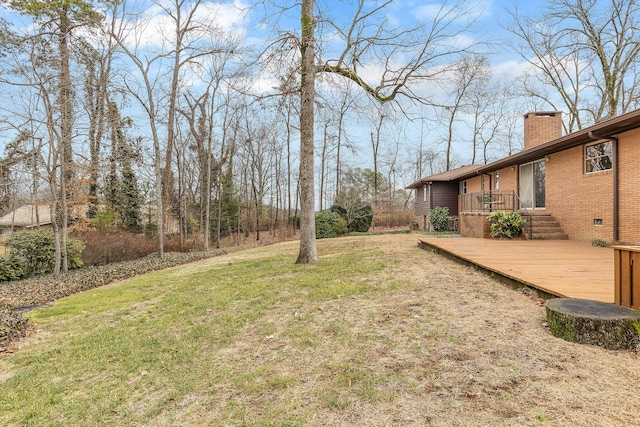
{"x": 26, "y": 217}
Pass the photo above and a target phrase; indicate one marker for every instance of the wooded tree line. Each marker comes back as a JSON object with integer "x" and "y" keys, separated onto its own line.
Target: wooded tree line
{"x": 167, "y": 114}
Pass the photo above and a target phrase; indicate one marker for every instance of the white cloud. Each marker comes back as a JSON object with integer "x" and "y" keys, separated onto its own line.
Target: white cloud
{"x": 429, "y": 11}
{"x": 512, "y": 68}
{"x": 155, "y": 26}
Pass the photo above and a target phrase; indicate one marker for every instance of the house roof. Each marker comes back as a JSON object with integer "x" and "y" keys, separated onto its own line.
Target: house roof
{"x": 450, "y": 175}
{"x": 25, "y": 216}
{"x": 602, "y": 130}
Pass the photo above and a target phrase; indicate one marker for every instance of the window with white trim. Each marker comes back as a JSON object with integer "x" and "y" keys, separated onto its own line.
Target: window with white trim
{"x": 424, "y": 193}
{"x": 598, "y": 157}
{"x": 462, "y": 187}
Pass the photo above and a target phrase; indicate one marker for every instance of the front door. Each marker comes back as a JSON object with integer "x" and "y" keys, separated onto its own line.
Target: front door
{"x": 532, "y": 183}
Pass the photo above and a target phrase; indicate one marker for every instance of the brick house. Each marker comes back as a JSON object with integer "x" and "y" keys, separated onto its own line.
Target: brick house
{"x": 581, "y": 186}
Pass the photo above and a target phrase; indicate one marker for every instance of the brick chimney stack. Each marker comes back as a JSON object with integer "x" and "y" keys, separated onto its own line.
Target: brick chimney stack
{"x": 541, "y": 127}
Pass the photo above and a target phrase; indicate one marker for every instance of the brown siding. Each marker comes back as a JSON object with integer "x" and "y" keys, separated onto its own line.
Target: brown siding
{"x": 422, "y": 207}
{"x": 445, "y": 194}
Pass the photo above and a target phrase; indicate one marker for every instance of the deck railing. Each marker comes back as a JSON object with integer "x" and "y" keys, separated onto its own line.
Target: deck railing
{"x": 494, "y": 201}
{"x": 489, "y": 201}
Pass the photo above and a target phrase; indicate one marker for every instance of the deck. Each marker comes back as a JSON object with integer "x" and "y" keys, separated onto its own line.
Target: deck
{"x": 559, "y": 267}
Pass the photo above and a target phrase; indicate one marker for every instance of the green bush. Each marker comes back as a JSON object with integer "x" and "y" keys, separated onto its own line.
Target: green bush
{"x": 74, "y": 253}
{"x": 439, "y": 218}
{"x": 506, "y": 224}
{"x": 12, "y": 267}
{"x": 37, "y": 248}
{"x": 358, "y": 218}
{"x": 106, "y": 220}
{"x": 599, "y": 243}
{"x": 330, "y": 224}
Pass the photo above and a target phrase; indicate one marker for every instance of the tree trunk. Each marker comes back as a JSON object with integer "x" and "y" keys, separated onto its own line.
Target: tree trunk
{"x": 308, "y": 252}
{"x": 66, "y": 130}
{"x": 592, "y": 322}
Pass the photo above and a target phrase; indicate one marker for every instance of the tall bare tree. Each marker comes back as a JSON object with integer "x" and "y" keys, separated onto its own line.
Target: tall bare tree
{"x": 163, "y": 64}
{"x": 587, "y": 51}
{"x": 54, "y": 23}
{"x": 459, "y": 84}
{"x": 367, "y": 36}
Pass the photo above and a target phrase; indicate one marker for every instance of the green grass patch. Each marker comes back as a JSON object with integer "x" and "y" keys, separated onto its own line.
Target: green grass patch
{"x": 161, "y": 348}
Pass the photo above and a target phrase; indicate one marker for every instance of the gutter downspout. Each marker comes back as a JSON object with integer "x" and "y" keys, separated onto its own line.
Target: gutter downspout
{"x": 616, "y": 196}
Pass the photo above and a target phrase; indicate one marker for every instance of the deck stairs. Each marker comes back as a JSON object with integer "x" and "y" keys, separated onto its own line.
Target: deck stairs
{"x": 544, "y": 227}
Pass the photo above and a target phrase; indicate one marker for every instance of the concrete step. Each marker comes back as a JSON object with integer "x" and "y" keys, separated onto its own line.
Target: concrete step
{"x": 545, "y": 227}
{"x": 550, "y": 236}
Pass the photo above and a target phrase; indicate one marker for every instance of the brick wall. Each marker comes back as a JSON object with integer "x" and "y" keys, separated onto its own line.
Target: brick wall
{"x": 508, "y": 179}
{"x": 629, "y": 187}
{"x": 474, "y": 185}
{"x": 473, "y": 224}
{"x": 541, "y": 127}
{"x": 577, "y": 199}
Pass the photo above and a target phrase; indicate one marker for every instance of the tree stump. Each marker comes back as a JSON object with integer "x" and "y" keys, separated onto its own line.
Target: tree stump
{"x": 592, "y": 322}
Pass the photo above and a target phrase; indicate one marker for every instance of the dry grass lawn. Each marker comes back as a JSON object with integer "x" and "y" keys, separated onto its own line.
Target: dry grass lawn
{"x": 424, "y": 342}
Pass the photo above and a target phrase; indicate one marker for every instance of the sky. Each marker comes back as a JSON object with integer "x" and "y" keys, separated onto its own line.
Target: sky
{"x": 404, "y": 127}
{"x": 487, "y": 18}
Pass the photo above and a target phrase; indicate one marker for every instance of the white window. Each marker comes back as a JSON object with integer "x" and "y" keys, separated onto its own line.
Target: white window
{"x": 424, "y": 193}
{"x": 462, "y": 187}
{"x": 598, "y": 157}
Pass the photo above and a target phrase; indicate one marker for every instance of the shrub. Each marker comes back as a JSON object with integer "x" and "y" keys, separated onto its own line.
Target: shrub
{"x": 37, "y": 248}
{"x": 358, "y": 217}
{"x": 106, "y": 220}
{"x": 12, "y": 267}
{"x": 12, "y": 326}
{"x": 506, "y": 224}
{"x": 330, "y": 224}
{"x": 598, "y": 243}
{"x": 74, "y": 253}
{"x": 439, "y": 218}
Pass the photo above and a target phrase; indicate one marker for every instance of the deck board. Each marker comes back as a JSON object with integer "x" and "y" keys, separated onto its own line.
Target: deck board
{"x": 560, "y": 267}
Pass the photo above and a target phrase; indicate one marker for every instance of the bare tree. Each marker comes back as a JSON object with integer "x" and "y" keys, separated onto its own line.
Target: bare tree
{"x": 587, "y": 52}
{"x": 47, "y": 74}
{"x": 365, "y": 39}
{"x": 184, "y": 46}
{"x": 375, "y": 150}
{"x": 459, "y": 84}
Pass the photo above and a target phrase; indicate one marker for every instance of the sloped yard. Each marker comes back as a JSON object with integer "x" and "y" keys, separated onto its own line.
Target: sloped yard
{"x": 378, "y": 333}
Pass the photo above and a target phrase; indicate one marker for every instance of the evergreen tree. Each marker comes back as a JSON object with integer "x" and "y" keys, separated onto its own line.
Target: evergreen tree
{"x": 230, "y": 205}
{"x": 129, "y": 200}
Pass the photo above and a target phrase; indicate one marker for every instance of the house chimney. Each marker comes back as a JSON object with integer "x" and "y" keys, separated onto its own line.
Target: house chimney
{"x": 541, "y": 127}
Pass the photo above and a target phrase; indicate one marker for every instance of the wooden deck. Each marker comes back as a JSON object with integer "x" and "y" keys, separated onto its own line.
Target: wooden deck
{"x": 560, "y": 267}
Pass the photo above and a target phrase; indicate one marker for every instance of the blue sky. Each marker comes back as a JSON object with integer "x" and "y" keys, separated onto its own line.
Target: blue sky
{"x": 399, "y": 134}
